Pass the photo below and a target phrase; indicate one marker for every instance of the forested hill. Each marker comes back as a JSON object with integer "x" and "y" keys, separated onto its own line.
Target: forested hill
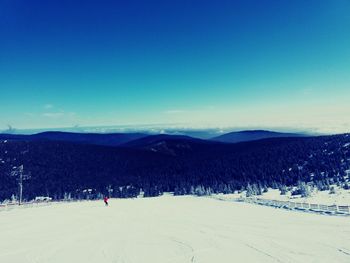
{"x": 252, "y": 135}
{"x": 106, "y": 139}
{"x": 58, "y": 168}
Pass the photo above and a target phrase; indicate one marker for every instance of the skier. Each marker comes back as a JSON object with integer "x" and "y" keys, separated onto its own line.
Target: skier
{"x": 105, "y": 199}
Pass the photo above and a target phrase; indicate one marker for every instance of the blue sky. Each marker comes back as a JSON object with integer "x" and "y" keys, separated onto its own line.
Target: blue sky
{"x": 188, "y": 63}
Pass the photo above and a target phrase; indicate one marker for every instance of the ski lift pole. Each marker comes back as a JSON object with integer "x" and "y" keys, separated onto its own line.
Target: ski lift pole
{"x": 20, "y": 184}
{"x": 17, "y": 172}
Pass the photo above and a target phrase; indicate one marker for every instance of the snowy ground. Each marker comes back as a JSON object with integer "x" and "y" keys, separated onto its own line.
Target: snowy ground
{"x": 170, "y": 229}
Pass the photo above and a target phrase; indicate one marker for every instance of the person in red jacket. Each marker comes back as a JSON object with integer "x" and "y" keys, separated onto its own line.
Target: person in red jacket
{"x": 105, "y": 199}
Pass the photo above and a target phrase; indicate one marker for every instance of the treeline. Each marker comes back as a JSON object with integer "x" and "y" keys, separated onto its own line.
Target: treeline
{"x": 62, "y": 169}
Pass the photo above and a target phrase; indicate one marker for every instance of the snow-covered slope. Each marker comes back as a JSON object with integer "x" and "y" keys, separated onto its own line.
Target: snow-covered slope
{"x": 170, "y": 229}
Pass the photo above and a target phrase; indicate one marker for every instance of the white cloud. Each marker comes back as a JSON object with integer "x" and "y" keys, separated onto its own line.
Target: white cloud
{"x": 53, "y": 114}
{"x": 174, "y": 111}
{"x": 307, "y": 91}
{"x": 29, "y": 114}
{"x": 48, "y": 106}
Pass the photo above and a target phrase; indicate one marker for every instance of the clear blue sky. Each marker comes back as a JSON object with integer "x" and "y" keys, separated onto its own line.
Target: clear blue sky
{"x": 195, "y": 63}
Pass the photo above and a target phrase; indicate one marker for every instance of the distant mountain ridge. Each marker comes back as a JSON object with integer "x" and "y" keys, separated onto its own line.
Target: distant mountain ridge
{"x": 252, "y": 135}
{"x": 144, "y": 140}
{"x": 104, "y": 139}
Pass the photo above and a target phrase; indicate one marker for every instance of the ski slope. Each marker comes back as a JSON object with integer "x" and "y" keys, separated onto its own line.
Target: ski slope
{"x": 170, "y": 229}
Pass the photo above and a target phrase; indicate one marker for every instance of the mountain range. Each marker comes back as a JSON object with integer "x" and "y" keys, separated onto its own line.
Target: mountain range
{"x": 66, "y": 163}
{"x": 107, "y": 139}
{"x": 116, "y": 139}
{"x": 252, "y": 135}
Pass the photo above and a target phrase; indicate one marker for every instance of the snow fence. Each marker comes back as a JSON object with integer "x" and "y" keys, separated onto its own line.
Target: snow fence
{"x": 10, "y": 206}
{"x": 328, "y": 209}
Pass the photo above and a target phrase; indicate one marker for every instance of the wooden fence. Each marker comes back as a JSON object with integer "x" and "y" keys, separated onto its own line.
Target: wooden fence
{"x": 330, "y": 209}
{"x": 10, "y": 206}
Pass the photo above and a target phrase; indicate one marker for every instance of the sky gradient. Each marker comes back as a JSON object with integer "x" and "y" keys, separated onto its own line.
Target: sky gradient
{"x": 189, "y": 63}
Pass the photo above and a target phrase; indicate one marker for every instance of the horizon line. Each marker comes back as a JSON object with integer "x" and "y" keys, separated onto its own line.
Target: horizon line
{"x": 163, "y": 129}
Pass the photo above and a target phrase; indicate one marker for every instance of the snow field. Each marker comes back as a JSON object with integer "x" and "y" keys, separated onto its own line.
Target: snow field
{"x": 170, "y": 229}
